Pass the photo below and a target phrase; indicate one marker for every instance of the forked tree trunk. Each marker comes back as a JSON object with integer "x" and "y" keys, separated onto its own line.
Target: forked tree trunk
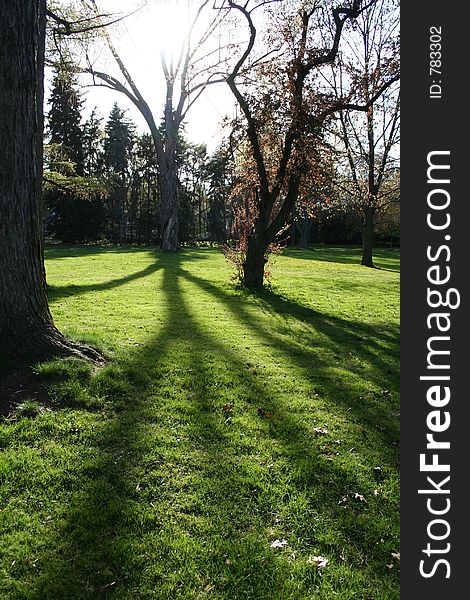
{"x": 367, "y": 233}
{"x": 26, "y": 327}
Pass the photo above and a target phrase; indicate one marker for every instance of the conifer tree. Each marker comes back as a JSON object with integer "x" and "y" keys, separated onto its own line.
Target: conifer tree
{"x": 119, "y": 141}
{"x": 64, "y": 118}
{"x": 118, "y": 146}
{"x": 145, "y": 179}
{"x": 93, "y": 145}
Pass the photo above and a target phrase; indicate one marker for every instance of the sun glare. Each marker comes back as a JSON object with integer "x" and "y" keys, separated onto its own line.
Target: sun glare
{"x": 171, "y": 26}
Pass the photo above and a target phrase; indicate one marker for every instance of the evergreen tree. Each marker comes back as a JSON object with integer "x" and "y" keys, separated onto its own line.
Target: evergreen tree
{"x": 219, "y": 173}
{"x": 76, "y": 207}
{"x": 119, "y": 141}
{"x": 65, "y": 132}
{"x": 73, "y": 195}
{"x": 145, "y": 190}
{"x": 93, "y": 145}
{"x": 118, "y": 147}
{"x": 192, "y": 165}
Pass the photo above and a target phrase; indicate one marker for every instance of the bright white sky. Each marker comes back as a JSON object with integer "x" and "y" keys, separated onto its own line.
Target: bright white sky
{"x": 138, "y": 40}
{"x": 154, "y": 25}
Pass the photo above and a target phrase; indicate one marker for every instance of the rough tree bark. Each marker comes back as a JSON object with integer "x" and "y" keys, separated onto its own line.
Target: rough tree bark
{"x": 169, "y": 211}
{"x": 26, "y": 327}
{"x": 253, "y": 269}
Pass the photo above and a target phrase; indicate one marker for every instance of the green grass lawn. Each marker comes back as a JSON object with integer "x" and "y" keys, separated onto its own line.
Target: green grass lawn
{"x": 231, "y": 439}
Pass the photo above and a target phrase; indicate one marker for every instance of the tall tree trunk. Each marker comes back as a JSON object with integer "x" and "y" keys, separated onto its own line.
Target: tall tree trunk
{"x": 263, "y": 235}
{"x": 26, "y": 328}
{"x": 367, "y": 232}
{"x": 169, "y": 215}
{"x": 169, "y": 218}
{"x": 253, "y": 269}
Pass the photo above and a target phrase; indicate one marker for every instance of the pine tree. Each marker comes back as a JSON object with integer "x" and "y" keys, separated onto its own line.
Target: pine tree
{"x": 93, "y": 145}
{"x": 219, "y": 174}
{"x": 145, "y": 178}
{"x": 73, "y": 193}
{"x": 64, "y": 119}
{"x": 119, "y": 141}
{"x": 118, "y": 147}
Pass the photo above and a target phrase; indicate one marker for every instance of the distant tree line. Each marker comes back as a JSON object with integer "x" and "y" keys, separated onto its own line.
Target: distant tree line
{"x": 101, "y": 184}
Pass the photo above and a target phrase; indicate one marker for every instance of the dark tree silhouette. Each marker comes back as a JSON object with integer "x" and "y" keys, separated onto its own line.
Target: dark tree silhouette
{"x": 278, "y": 185}
{"x": 117, "y": 155}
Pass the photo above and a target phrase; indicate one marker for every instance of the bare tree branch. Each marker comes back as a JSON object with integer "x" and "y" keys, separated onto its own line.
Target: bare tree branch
{"x": 360, "y": 107}
{"x": 74, "y": 27}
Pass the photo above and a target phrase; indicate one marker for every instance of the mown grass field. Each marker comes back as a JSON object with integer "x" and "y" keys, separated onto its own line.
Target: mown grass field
{"x": 232, "y": 439}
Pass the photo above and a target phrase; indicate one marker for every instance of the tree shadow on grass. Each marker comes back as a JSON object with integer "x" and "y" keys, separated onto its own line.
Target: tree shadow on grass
{"x": 131, "y": 529}
{"x": 314, "y": 471}
{"x": 58, "y": 251}
{"x": 345, "y": 340}
{"x": 56, "y": 292}
{"x": 350, "y": 255}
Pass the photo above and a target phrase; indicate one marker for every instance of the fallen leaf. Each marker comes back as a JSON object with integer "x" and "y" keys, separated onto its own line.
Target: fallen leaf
{"x": 228, "y": 407}
{"x": 359, "y": 497}
{"x": 320, "y": 561}
{"x": 396, "y": 555}
{"x": 278, "y": 544}
{"x": 320, "y": 431}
